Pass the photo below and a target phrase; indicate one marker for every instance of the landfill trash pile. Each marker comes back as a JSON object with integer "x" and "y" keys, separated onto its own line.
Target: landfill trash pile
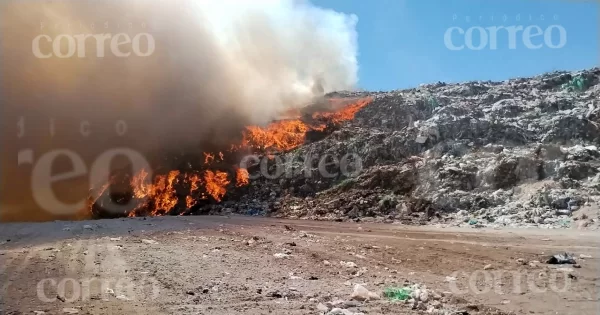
{"x": 522, "y": 152}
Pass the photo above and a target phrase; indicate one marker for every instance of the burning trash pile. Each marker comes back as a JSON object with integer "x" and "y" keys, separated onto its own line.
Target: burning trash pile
{"x": 523, "y": 152}
{"x": 181, "y": 192}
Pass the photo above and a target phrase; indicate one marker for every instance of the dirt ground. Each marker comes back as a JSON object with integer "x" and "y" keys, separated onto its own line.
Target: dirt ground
{"x": 229, "y": 265}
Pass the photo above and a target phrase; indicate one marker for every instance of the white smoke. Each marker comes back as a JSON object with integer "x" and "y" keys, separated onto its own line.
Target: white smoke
{"x": 269, "y": 55}
{"x": 216, "y": 64}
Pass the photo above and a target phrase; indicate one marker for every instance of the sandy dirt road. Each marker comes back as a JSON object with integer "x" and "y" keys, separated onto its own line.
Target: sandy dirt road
{"x": 228, "y": 265}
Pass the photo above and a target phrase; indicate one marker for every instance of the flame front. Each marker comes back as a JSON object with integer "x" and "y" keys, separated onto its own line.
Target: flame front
{"x": 281, "y": 136}
{"x": 158, "y": 196}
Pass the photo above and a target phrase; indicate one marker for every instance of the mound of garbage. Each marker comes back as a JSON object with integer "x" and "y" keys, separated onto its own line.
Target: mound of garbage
{"x": 522, "y": 152}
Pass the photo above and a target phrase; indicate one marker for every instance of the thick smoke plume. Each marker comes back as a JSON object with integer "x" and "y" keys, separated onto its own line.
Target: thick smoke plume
{"x": 216, "y": 66}
{"x": 254, "y": 60}
{"x": 214, "y": 63}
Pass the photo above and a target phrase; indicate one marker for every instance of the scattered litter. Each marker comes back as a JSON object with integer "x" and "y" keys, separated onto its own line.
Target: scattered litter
{"x": 322, "y": 307}
{"x": 361, "y": 293}
{"x": 582, "y": 256}
{"x": 281, "y": 255}
{"x": 340, "y": 311}
{"x": 123, "y": 298}
{"x": 488, "y": 267}
{"x": 70, "y": 310}
{"x": 560, "y": 259}
{"x": 398, "y": 294}
{"x": 348, "y": 264}
{"x": 39, "y": 312}
{"x": 88, "y": 227}
{"x": 534, "y": 263}
{"x": 115, "y": 239}
{"x": 450, "y": 279}
{"x": 294, "y": 277}
{"x": 147, "y": 241}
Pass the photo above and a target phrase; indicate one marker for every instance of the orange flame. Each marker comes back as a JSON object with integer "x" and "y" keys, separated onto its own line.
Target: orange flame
{"x": 215, "y": 184}
{"x": 164, "y": 193}
{"x": 208, "y": 157}
{"x": 242, "y": 177}
{"x": 194, "y": 181}
{"x": 283, "y": 135}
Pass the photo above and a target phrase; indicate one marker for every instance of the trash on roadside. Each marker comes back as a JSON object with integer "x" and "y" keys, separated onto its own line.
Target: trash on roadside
{"x": 70, "y": 310}
{"x": 281, "y": 255}
{"x": 473, "y": 222}
{"x": 560, "y": 259}
{"x": 361, "y": 293}
{"x": 398, "y": 294}
{"x": 348, "y": 264}
{"x": 147, "y": 241}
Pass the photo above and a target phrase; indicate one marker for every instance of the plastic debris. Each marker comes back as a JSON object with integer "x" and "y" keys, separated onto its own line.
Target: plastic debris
{"x": 560, "y": 259}
{"x": 578, "y": 83}
{"x": 361, "y": 293}
{"x": 398, "y": 294}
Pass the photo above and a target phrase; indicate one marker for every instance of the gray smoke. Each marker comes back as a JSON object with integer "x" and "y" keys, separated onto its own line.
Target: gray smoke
{"x": 216, "y": 64}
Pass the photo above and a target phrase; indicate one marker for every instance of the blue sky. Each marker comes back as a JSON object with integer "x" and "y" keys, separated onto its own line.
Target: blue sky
{"x": 401, "y": 42}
